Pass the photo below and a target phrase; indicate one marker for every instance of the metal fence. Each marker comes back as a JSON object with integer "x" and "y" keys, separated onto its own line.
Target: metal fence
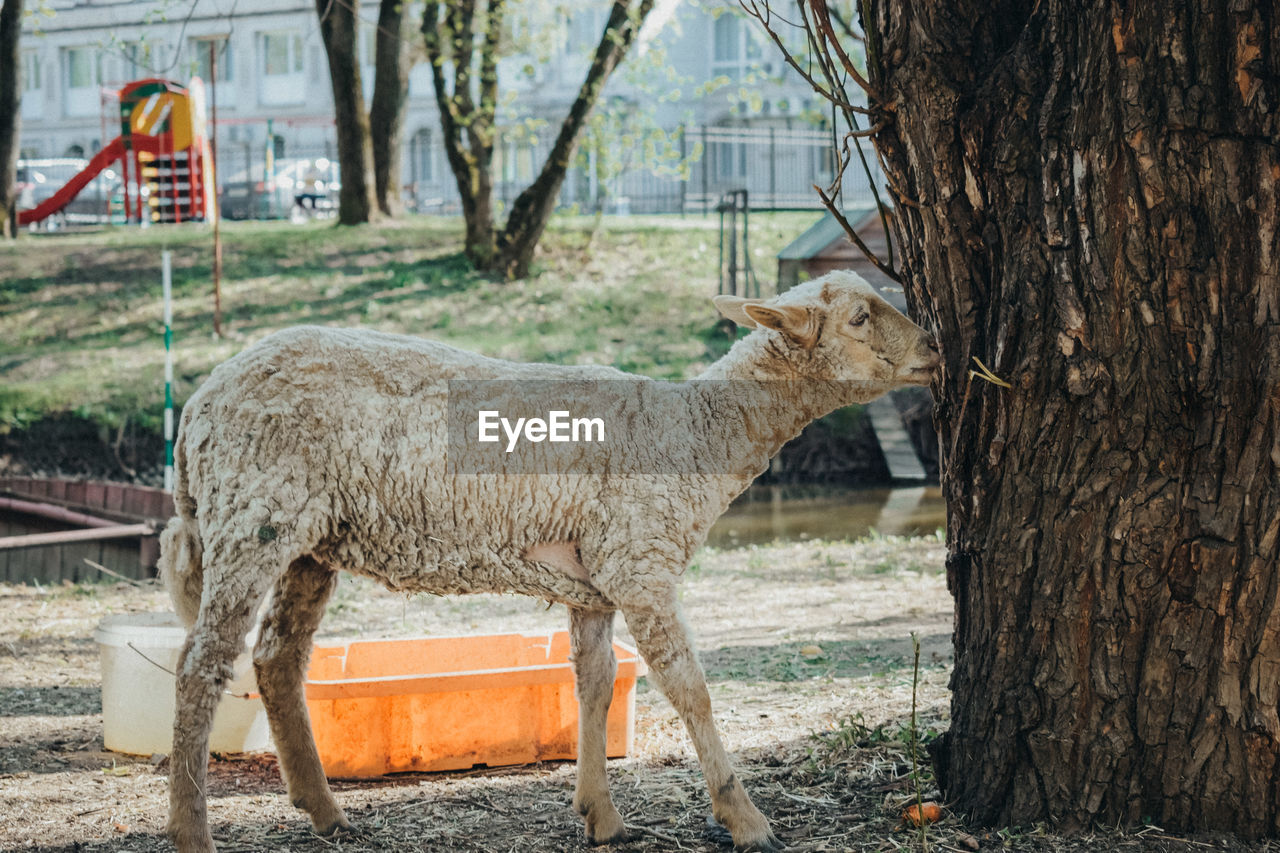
{"x": 777, "y": 166}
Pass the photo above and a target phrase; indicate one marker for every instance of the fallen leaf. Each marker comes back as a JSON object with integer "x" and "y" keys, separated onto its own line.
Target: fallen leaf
{"x": 917, "y": 815}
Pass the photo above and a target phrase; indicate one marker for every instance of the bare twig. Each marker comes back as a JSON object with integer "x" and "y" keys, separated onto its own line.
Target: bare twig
{"x": 829, "y": 93}
{"x": 835, "y": 68}
{"x": 116, "y": 447}
{"x": 822, "y": 17}
{"x": 661, "y": 836}
{"x": 116, "y": 575}
{"x": 164, "y": 668}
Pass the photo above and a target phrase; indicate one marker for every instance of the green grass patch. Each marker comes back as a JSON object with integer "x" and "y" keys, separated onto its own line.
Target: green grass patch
{"x": 81, "y": 322}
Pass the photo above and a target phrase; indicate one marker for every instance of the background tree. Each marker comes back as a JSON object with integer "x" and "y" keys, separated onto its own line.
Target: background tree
{"x": 386, "y": 111}
{"x": 10, "y": 111}
{"x": 338, "y": 26}
{"x": 368, "y": 142}
{"x": 1086, "y": 200}
{"x": 463, "y": 41}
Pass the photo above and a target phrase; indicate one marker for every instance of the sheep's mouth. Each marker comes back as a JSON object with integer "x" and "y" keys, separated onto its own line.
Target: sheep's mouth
{"x": 923, "y": 374}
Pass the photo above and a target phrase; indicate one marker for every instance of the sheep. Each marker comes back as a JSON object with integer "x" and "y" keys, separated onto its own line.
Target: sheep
{"x": 322, "y": 449}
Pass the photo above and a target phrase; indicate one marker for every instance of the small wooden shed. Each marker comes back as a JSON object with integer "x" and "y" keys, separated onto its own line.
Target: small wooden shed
{"x": 825, "y": 247}
{"x": 49, "y": 527}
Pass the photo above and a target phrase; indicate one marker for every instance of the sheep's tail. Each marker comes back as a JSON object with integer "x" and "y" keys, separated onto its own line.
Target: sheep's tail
{"x": 181, "y": 551}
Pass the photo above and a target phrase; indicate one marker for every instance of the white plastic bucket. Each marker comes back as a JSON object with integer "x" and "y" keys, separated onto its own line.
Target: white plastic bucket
{"x": 138, "y": 694}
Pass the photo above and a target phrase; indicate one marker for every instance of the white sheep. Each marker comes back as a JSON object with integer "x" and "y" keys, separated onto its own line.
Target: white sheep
{"x": 323, "y": 449}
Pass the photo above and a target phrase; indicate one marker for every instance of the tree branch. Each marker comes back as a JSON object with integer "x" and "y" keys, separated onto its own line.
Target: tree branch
{"x": 752, "y": 8}
{"x": 529, "y": 210}
{"x": 823, "y": 17}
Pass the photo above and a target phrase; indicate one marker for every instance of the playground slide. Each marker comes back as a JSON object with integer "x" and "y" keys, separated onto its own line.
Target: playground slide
{"x": 110, "y": 152}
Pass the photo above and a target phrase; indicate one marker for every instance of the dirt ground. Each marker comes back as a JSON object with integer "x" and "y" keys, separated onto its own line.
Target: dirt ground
{"x": 819, "y": 737}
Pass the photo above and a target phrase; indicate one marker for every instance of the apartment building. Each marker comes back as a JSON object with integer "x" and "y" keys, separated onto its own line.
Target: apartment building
{"x": 709, "y": 72}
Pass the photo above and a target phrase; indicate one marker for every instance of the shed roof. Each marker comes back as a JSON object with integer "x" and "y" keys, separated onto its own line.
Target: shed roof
{"x": 822, "y": 234}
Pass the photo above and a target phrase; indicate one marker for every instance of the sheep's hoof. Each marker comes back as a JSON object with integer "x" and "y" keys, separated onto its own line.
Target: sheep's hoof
{"x": 769, "y": 843}
{"x": 604, "y": 826}
{"x": 622, "y": 836}
{"x": 189, "y": 840}
{"x": 341, "y": 826}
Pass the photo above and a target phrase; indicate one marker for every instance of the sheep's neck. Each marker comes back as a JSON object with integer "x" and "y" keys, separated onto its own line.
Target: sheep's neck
{"x": 761, "y": 404}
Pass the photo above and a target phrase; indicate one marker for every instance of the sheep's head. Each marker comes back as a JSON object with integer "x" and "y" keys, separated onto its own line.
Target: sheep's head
{"x": 838, "y": 328}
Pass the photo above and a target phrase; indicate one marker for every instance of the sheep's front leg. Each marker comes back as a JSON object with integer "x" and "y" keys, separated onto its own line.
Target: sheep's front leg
{"x": 594, "y": 668}
{"x": 664, "y": 641}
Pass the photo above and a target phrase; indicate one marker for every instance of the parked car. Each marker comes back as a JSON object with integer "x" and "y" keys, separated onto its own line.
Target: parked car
{"x": 93, "y": 205}
{"x": 310, "y": 186}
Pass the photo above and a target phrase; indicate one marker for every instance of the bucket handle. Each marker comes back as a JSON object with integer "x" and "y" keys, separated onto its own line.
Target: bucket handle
{"x": 175, "y": 675}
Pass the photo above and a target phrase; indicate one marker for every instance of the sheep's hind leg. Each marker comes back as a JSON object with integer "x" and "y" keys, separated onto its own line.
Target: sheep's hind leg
{"x": 204, "y": 668}
{"x": 594, "y": 667}
{"x": 664, "y": 641}
{"x": 280, "y": 659}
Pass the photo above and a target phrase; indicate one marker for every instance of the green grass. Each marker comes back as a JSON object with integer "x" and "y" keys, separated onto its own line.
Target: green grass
{"x": 81, "y": 323}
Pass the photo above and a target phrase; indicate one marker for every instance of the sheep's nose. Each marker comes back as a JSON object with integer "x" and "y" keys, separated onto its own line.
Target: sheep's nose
{"x": 935, "y": 352}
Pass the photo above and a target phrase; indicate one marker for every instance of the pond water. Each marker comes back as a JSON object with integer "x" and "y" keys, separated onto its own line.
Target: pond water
{"x": 795, "y": 513}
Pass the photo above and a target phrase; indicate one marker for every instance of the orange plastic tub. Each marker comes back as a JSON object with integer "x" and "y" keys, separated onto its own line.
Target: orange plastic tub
{"x": 448, "y": 703}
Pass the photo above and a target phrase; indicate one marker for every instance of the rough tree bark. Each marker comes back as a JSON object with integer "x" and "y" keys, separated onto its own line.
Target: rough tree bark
{"x": 386, "y": 110}
{"x": 356, "y": 201}
{"x": 462, "y": 39}
{"x": 1087, "y": 201}
{"x": 10, "y": 112}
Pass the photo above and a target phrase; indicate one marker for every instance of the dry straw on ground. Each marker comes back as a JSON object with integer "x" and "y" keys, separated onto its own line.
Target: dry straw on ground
{"x": 821, "y": 738}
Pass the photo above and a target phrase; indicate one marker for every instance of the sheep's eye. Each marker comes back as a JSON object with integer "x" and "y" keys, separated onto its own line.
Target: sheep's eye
{"x": 858, "y": 319}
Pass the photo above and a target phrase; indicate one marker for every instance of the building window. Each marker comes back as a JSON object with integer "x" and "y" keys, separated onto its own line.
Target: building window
{"x": 282, "y": 54}
{"x": 133, "y": 61}
{"x": 734, "y": 49}
{"x": 31, "y": 79}
{"x": 199, "y": 48}
{"x": 423, "y": 178}
{"x": 730, "y": 160}
{"x": 82, "y": 69}
{"x": 32, "y": 86}
{"x": 424, "y": 161}
{"x": 283, "y": 80}
{"x": 198, "y": 52}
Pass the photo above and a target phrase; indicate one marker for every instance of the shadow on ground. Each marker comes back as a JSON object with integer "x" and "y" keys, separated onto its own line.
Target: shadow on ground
{"x": 818, "y": 796}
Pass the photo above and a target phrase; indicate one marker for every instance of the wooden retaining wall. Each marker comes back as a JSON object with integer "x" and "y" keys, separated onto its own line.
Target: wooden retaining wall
{"x": 134, "y": 557}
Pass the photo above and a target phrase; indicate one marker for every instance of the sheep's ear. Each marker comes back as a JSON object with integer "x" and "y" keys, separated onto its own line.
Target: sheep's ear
{"x": 796, "y": 322}
{"x": 732, "y": 308}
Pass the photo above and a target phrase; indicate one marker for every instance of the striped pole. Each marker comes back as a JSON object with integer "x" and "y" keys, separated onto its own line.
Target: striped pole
{"x": 167, "y": 279}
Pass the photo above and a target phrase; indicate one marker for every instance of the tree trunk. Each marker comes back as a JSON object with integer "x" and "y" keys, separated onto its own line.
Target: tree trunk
{"x": 533, "y": 207}
{"x": 449, "y": 36}
{"x": 356, "y": 202}
{"x": 386, "y": 111}
{"x": 10, "y": 112}
{"x": 1087, "y": 201}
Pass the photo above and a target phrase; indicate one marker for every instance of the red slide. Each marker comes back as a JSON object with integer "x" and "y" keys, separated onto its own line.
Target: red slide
{"x": 111, "y": 152}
